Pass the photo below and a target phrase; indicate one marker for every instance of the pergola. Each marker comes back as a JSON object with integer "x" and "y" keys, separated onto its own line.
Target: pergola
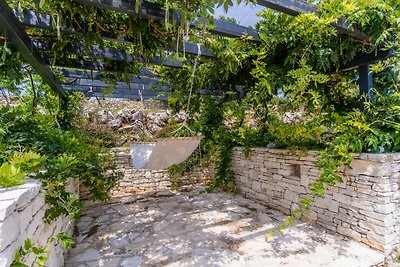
{"x": 85, "y": 76}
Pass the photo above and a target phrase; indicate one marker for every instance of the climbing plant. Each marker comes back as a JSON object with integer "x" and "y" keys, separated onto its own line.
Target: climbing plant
{"x": 32, "y": 142}
{"x": 296, "y": 70}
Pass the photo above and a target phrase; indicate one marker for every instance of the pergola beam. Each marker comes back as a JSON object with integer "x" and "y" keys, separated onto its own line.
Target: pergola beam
{"x": 119, "y": 85}
{"x": 153, "y": 11}
{"x": 295, "y": 7}
{"x": 370, "y": 58}
{"x": 94, "y": 65}
{"x": 38, "y": 20}
{"x": 15, "y": 33}
{"x": 94, "y": 75}
{"x": 109, "y": 54}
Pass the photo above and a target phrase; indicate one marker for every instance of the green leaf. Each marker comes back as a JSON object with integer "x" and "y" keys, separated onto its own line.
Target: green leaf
{"x": 42, "y": 3}
{"x": 27, "y": 244}
{"x": 18, "y": 264}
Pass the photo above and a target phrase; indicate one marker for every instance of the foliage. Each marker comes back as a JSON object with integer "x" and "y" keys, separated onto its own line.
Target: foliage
{"x": 296, "y": 70}
{"x": 62, "y": 155}
{"x": 40, "y": 251}
{"x": 15, "y": 171}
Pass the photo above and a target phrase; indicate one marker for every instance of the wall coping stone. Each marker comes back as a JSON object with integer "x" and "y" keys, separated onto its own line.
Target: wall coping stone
{"x": 14, "y": 198}
{"x": 378, "y": 157}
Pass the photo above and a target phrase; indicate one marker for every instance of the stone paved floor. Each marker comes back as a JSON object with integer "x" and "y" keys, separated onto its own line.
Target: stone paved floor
{"x": 192, "y": 229}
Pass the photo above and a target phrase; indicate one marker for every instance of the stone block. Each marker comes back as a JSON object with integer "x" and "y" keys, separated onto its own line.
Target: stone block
{"x": 372, "y": 227}
{"x": 292, "y": 196}
{"x": 285, "y": 171}
{"x": 387, "y": 187}
{"x": 327, "y": 203}
{"x": 371, "y": 214}
{"x": 277, "y": 177}
{"x": 35, "y": 222}
{"x": 25, "y": 217}
{"x": 348, "y": 232}
{"x": 256, "y": 186}
{"x": 9, "y": 230}
{"x": 253, "y": 174}
{"x": 363, "y": 204}
{"x": 7, "y": 255}
{"x": 385, "y": 208}
{"x": 6, "y": 208}
{"x": 370, "y": 168}
{"x": 304, "y": 180}
{"x": 342, "y": 198}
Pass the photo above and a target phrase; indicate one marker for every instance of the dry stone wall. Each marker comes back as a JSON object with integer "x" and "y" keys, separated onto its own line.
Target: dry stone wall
{"x": 365, "y": 207}
{"x": 21, "y": 216}
{"x": 135, "y": 181}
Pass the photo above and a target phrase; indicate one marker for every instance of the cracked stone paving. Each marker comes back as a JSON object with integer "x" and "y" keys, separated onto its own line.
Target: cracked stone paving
{"x": 193, "y": 229}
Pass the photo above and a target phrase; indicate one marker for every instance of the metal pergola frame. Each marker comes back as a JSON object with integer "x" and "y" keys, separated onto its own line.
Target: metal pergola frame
{"x": 12, "y": 26}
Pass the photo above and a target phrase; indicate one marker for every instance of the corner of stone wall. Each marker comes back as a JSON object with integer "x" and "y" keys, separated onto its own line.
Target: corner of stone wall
{"x": 21, "y": 216}
{"x": 365, "y": 207}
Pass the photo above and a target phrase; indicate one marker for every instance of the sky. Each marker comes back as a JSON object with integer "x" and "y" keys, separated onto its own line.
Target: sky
{"x": 244, "y": 14}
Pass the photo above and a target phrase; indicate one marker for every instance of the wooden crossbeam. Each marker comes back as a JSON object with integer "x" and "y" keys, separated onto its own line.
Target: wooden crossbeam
{"x": 109, "y": 54}
{"x": 370, "y": 58}
{"x": 94, "y": 75}
{"x": 38, "y": 20}
{"x": 15, "y": 33}
{"x": 153, "y": 11}
{"x": 118, "y": 84}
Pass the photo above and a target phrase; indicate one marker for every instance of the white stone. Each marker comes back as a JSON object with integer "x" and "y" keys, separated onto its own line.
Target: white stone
{"x": 90, "y": 254}
{"x": 256, "y": 186}
{"x": 292, "y": 196}
{"x": 6, "y": 208}
{"x": 385, "y": 208}
{"x": 9, "y": 230}
{"x": 370, "y": 168}
{"x": 25, "y": 217}
{"x": 7, "y": 255}
{"x": 372, "y": 227}
{"x": 37, "y": 203}
{"x": 342, "y": 198}
{"x": 327, "y": 203}
{"x": 132, "y": 262}
{"x": 34, "y": 223}
{"x": 349, "y": 232}
{"x": 379, "y": 187}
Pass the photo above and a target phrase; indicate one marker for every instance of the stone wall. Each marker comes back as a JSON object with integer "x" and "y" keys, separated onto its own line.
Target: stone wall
{"x": 21, "y": 216}
{"x": 142, "y": 181}
{"x": 365, "y": 207}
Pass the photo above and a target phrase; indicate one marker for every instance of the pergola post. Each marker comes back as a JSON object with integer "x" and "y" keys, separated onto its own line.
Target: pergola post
{"x": 365, "y": 81}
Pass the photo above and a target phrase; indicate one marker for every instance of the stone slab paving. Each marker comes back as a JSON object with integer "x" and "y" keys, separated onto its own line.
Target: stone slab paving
{"x": 192, "y": 229}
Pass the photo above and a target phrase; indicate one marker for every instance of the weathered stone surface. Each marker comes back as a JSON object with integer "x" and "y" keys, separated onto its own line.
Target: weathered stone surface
{"x": 90, "y": 254}
{"x": 370, "y": 168}
{"x": 214, "y": 229}
{"x": 6, "y": 208}
{"x": 367, "y": 201}
{"x": 145, "y": 181}
{"x": 9, "y": 230}
{"x": 327, "y": 203}
{"x": 22, "y": 217}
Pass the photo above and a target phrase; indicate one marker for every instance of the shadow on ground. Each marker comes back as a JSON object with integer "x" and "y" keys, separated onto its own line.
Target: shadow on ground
{"x": 193, "y": 229}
